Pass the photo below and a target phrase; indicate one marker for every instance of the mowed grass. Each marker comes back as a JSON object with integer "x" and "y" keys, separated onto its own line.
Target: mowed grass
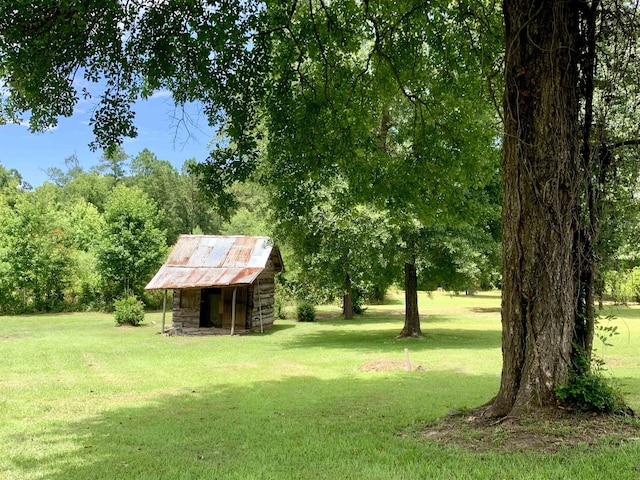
{"x": 82, "y": 399}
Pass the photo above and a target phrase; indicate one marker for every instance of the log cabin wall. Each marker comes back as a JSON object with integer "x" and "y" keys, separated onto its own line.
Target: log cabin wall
{"x": 186, "y": 308}
{"x": 262, "y": 295}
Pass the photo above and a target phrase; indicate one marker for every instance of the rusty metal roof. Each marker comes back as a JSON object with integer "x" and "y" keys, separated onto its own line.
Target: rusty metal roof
{"x": 200, "y": 261}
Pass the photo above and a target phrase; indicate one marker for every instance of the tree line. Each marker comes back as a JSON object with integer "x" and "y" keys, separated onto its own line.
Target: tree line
{"x": 86, "y": 237}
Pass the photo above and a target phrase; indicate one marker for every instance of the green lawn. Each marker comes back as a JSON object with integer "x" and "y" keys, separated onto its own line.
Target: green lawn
{"x": 82, "y": 399}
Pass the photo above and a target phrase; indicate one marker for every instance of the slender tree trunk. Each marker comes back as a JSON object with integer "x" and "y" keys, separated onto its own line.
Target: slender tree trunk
{"x": 541, "y": 179}
{"x": 589, "y": 284}
{"x": 412, "y": 317}
{"x": 587, "y": 218}
{"x": 347, "y": 303}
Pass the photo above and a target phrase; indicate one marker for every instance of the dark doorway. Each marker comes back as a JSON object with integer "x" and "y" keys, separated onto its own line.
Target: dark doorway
{"x": 211, "y": 308}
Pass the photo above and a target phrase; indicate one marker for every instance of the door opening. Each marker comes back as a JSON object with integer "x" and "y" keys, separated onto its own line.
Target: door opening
{"x": 211, "y": 308}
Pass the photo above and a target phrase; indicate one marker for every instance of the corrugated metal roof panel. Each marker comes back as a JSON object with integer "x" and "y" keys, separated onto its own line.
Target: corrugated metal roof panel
{"x": 185, "y": 277}
{"x": 200, "y": 261}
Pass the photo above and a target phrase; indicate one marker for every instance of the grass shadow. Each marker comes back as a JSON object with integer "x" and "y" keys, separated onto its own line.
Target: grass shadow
{"x": 486, "y": 309}
{"x": 385, "y": 340}
{"x": 368, "y": 426}
{"x": 276, "y": 328}
{"x": 362, "y": 319}
{"x": 299, "y": 427}
{"x": 482, "y": 296}
{"x": 378, "y": 318}
{"x": 622, "y": 311}
{"x": 397, "y": 300}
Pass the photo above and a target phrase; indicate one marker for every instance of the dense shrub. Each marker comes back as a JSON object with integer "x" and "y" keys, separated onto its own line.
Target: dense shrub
{"x": 588, "y": 390}
{"x": 129, "y": 310}
{"x": 357, "y": 301}
{"x": 306, "y": 312}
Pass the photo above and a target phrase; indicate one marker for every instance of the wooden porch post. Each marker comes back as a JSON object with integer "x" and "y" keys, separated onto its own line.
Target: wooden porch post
{"x": 164, "y": 309}
{"x": 233, "y": 310}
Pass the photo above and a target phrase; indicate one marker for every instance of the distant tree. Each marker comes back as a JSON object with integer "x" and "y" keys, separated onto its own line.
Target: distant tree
{"x": 12, "y": 184}
{"x": 161, "y": 182}
{"x": 91, "y": 187}
{"x": 462, "y": 259}
{"x": 85, "y": 229}
{"x": 35, "y": 253}
{"x": 350, "y": 252}
{"x": 197, "y": 214}
{"x": 9, "y": 179}
{"x": 251, "y": 213}
{"x": 113, "y": 164}
{"x": 62, "y": 178}
{"x": 7, "y": 214}
{"x": 76, "y": 183}
{"x": 362, "y": 102}
{"x": 132, "y": 246}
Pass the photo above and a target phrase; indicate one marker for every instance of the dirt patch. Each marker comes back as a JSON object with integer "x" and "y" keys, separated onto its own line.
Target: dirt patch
{"x": 545, "y": 432}
{"x": 10, "y": 337}
{"x": 386, "y": 365}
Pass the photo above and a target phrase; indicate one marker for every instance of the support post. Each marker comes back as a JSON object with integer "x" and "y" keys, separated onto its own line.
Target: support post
{"x": 233, "y": 310}
{"x": 164, "y": 309}
{"x": 260, "y": 307}
{"x": 407, "y": 360}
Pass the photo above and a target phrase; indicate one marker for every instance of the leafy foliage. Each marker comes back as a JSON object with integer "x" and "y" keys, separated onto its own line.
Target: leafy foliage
{"x": 278, "y": 308}
{"x": 605, "y": 331}
{"x": 624, "y": 287}
{"x": 176, "y": 195}
{"x": 251, "y": 215}
{"x": 306, "y": 312}
{"x": 589, "y": 390}
{"x": 357, "y": 103}
{"x": 113, "y": 164}
{"x": 35, "y": 255}
{"x": 52, "y": 238}
{"x": 462, "y": 258}
{"x": 133, "y": 246}
{"x": 128, "y": 311}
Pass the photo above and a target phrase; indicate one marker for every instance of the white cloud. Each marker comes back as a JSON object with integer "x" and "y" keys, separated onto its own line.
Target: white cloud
{"x": 160, "y": 94}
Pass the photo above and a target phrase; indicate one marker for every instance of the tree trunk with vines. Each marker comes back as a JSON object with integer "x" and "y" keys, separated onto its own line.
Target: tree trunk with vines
{"x": 541, "y": 185}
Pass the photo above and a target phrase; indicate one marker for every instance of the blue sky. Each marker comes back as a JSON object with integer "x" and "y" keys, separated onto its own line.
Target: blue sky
{"x": 159, "y": 130}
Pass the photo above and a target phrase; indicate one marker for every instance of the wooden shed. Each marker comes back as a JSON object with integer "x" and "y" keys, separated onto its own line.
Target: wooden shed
{"x": 223, "y": 283}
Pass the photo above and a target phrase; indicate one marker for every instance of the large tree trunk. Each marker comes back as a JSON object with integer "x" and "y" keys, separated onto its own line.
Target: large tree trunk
{"x": 541, "y": 178}
{"x": 411, "y": 317}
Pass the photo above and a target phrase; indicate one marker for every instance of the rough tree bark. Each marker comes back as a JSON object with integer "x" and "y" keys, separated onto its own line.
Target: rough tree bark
{"x": 541, "y": 178}
{"x": 412, "y": 317}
